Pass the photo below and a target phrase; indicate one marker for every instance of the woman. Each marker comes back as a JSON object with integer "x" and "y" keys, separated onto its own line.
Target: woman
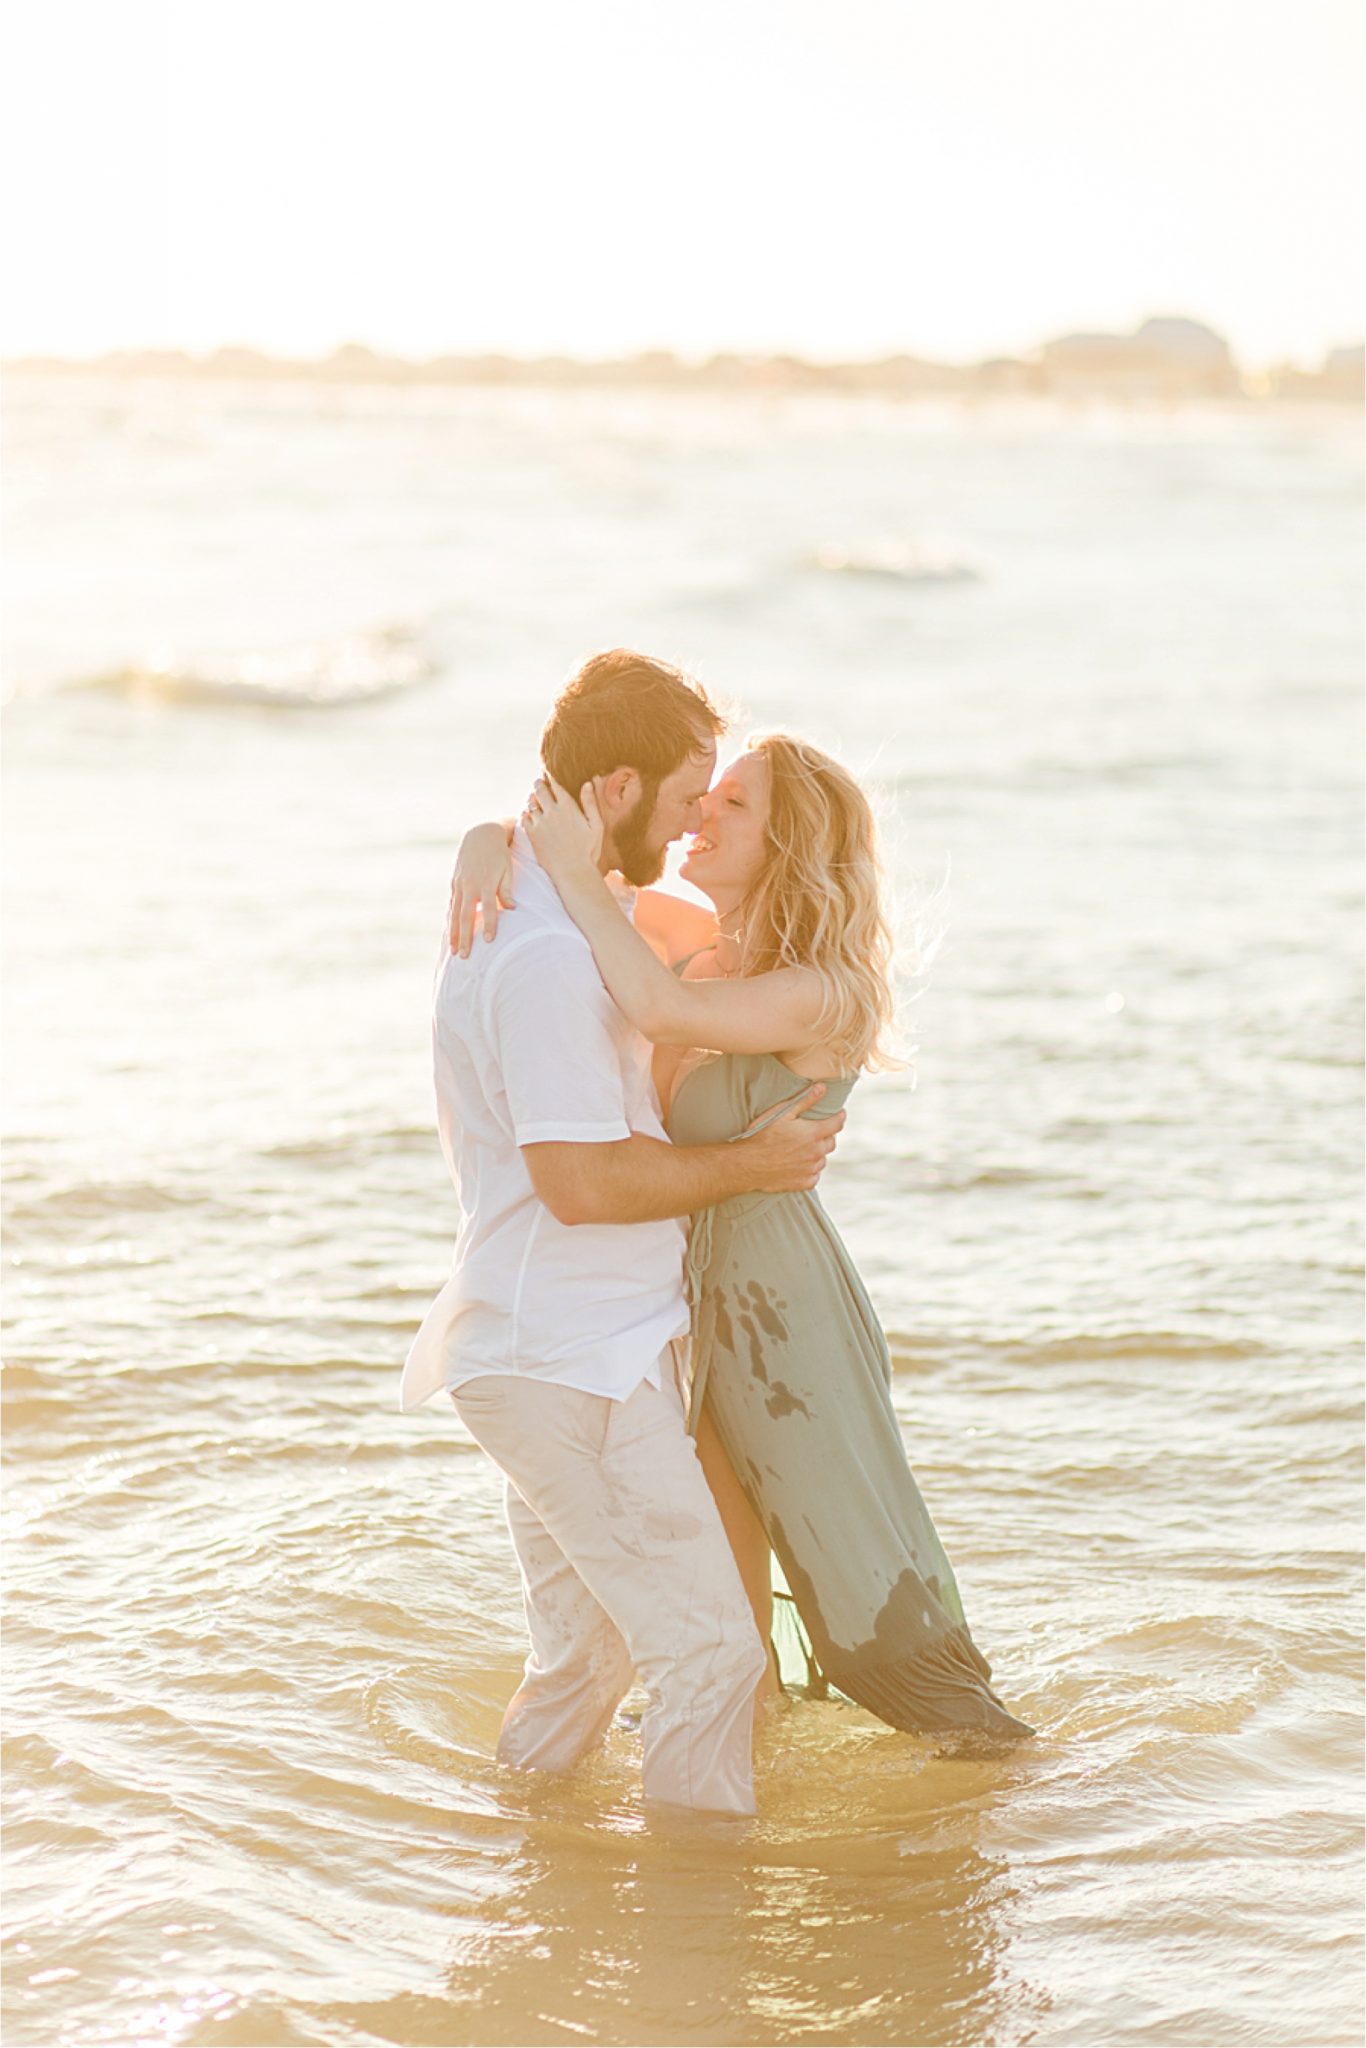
{"x": 791, "y": 1403}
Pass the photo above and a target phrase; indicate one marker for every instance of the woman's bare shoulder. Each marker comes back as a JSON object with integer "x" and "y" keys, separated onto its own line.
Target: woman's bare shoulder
{"x": 673, "y": 926}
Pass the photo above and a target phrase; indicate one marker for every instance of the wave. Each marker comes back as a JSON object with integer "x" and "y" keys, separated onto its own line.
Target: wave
{"x": 355, "y": 1145}
{"x": 317, "y": 675}
{"x": 919, "y": 1353}
{"x": 900, "y": 562}
{"x": 92, "y": 1201}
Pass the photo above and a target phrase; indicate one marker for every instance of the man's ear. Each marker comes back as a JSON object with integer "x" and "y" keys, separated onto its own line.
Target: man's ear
{"x": 617, "y": 793}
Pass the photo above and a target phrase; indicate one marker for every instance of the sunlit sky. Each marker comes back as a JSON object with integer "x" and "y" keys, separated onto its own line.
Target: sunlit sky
{"x": 599, "y": 176}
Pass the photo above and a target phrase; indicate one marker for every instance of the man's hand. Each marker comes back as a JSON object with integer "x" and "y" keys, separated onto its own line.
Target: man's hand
{"x": 788, "y": 1154}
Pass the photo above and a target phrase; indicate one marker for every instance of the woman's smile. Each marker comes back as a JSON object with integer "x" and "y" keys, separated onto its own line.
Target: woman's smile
{"x": 734, "y": 816}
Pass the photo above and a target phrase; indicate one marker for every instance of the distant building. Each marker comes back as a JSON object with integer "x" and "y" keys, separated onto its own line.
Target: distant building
{"x": 1008, "y": 377}
{"x": 651, "y": 367}
{"x": 240, "y": 362}
{"x": 353, "y": 363}
{"x": 1191, "y": 340}
{"x": 148, "y": 362}
{"x": 1167, "y": 358}
{"x": 1340, "y": 378}
{"x": 904, "y": 376}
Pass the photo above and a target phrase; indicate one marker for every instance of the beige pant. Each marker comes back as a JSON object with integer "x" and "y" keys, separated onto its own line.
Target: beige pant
{"x": 625, "y": 1568}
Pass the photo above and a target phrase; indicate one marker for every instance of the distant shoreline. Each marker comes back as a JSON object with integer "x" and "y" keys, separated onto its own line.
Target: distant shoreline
{"x": 1170, "y": 361}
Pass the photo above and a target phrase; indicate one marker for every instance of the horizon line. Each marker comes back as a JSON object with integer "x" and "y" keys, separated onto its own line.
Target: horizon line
{"x": 349, "y": 346}
{"x": 1165, "y": 356}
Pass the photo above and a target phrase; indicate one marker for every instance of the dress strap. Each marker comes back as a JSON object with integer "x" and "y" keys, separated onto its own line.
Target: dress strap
{"x": 688, "y": 959}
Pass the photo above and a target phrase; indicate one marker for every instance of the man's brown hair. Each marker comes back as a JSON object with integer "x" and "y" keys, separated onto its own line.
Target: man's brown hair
{"x": 626, "y": 710}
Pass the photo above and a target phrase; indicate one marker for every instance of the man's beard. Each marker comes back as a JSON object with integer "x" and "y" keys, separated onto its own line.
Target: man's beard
{"x": 637, "y": 859}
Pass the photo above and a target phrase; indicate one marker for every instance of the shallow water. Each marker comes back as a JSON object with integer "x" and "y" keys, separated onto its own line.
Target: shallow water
{"x": 268, "y": 653}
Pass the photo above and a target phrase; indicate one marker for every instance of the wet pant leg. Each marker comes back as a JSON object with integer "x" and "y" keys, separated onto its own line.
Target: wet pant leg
{"x": 613, "y": 1491}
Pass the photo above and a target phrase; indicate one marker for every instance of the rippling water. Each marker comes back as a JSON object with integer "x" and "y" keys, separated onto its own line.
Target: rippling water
{"x": 268, "y": 652}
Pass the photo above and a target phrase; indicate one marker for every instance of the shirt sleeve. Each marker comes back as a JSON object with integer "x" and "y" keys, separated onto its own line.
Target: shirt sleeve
{"x": 551, "y": 1023}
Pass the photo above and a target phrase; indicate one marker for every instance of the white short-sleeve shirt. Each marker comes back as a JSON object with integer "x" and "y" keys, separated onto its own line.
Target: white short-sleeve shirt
{"x": 530, "y": 1049}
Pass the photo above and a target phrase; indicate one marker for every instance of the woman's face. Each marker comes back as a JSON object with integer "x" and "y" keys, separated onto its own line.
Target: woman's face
{"x": 727, "y": 856}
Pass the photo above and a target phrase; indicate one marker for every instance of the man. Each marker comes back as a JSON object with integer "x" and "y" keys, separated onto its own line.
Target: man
{"x": 559, "y": 1334}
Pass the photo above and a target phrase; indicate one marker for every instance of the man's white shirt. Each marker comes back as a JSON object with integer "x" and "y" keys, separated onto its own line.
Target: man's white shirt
{"x": 530, "y": 1049}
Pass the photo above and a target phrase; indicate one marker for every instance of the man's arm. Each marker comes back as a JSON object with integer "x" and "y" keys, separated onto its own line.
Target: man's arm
{"x": 640, "y": 1179}
{"x": 552, "y": 1025}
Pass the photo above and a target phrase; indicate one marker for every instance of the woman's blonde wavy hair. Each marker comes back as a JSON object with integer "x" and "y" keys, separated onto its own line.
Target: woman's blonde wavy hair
{"x": 818, "y": 901}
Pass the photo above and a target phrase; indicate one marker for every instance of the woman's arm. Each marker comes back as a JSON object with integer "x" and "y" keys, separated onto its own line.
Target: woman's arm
{"x": 482, "y": 880}
{"x": 762, "y": 1013}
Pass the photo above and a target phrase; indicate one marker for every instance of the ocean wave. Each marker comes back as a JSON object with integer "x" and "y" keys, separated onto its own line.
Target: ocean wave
{"x": 892, "y": 561}
{"x": 317, "y": 675}
{"x": 93, "y": 1201}
{"x": 356, "y": 1145}
{"x": 922, "y": 1353}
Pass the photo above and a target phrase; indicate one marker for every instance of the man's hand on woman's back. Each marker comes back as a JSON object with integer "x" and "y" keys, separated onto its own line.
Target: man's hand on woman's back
{"x": 789, "y": 1154}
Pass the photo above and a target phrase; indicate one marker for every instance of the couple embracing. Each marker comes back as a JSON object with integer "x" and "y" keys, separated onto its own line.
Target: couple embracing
{"x": 651, "y": 1325}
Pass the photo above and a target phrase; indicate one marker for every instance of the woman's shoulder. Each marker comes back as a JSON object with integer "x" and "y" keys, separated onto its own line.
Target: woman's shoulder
{"x": 678, "y": 930}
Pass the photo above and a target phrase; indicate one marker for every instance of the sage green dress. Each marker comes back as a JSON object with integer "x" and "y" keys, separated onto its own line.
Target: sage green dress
{"x": 791, "y": 1363}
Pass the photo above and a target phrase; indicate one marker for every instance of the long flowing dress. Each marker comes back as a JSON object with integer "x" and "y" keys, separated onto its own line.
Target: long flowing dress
{"x": 792, "y": 1365}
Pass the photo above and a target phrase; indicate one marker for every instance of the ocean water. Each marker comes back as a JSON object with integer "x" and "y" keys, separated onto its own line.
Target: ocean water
{"x": 268, "y": 651}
